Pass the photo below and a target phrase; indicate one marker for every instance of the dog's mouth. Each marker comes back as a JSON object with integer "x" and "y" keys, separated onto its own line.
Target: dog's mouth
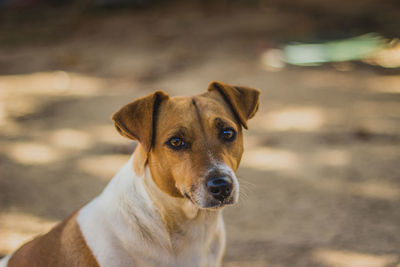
{"x": 220, "y": 204}
{"x": 209, "y": 202}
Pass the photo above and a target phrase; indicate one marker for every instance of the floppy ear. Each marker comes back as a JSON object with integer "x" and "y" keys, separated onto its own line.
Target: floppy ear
{"x": 242, "y": 100}
{"x": 137, "y": 119}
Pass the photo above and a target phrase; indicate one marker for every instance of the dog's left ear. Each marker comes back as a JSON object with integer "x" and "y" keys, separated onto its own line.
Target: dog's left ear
{"x": 137, "y": 119}
{"x": 243, "y": 101}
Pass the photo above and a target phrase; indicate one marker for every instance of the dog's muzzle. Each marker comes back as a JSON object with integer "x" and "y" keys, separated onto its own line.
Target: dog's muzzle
{"x": 216, "y": 189}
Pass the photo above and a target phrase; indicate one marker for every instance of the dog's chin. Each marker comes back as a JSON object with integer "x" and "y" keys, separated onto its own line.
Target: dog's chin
{"x": 216, "y": 205}
{"x": 210, "y": 203}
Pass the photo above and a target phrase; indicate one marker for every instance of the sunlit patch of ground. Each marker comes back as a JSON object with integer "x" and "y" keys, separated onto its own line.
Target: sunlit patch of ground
{"x": 341, "y": 258}
{"x": 271, "y": 159}
{"x": 332, "y": 157}
{"x": 33, "y": 153}
{"x": 17, "y": 228}
{"x": 370, "y": 189}
{"x": 70, "y": 139}
{"x": 385, "y": 84}
{"x": 247, "y": 264}
{"x": 292, "y": 118}
{"x": 103, "y": 167}
{"x": 23, "y": 94}
{"x": 52, "y": 83}
{"x": 105, "y": 133}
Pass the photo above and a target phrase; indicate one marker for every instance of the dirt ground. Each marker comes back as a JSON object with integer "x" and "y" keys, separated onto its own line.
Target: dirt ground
{"x": 320, "y": 176}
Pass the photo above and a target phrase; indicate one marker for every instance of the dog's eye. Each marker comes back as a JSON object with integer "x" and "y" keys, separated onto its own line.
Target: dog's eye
{"x": 176, "y": 143}
{"x": 228, "y": 134}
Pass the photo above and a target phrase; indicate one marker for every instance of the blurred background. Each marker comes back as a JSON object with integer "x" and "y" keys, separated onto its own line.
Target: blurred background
{"x": 320, "y": 177}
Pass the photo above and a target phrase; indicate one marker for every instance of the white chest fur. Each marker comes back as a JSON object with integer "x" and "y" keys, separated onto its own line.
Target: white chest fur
{"x": 127, "y": 225}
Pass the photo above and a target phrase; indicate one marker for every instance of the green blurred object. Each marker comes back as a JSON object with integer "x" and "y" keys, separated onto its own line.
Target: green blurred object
{"x": 356, "y": 48}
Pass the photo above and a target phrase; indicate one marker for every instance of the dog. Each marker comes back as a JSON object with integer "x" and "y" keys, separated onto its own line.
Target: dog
{"x": 163, "y": 207}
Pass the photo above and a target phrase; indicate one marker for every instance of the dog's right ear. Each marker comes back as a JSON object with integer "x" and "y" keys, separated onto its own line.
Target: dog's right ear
{"x": 137, "y": 119}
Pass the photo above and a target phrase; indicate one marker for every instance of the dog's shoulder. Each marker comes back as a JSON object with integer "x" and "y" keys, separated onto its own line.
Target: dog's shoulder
{"x": 64, "y": 245}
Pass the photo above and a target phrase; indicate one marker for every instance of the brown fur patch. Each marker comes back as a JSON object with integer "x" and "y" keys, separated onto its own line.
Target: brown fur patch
{"x": 244, "y": 101}
{"x": 136, "y": 120}
{"x": 63, "y": 246}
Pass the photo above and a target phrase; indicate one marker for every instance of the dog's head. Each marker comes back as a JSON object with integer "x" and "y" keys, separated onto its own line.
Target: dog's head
{"x": 193, "y": 144}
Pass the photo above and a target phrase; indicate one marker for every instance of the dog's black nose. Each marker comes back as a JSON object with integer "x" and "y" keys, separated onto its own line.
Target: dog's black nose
{"x": 220, "y": 187}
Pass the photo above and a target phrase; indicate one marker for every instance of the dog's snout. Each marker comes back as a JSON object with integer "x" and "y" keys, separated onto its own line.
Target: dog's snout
{"x": 220, "y": 188}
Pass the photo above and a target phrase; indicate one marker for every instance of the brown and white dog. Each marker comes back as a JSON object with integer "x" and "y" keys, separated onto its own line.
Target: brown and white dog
{"x": 163, "y": 208}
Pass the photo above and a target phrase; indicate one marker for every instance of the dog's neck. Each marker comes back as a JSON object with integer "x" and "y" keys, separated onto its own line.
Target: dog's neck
{"x": 176, "y": 215}
{"x": 171, "y": 209}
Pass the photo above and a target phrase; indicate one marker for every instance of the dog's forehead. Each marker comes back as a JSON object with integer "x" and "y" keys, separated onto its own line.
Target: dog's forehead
{"x": 185, "y": 110}
{"x": 185, "y": 107}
